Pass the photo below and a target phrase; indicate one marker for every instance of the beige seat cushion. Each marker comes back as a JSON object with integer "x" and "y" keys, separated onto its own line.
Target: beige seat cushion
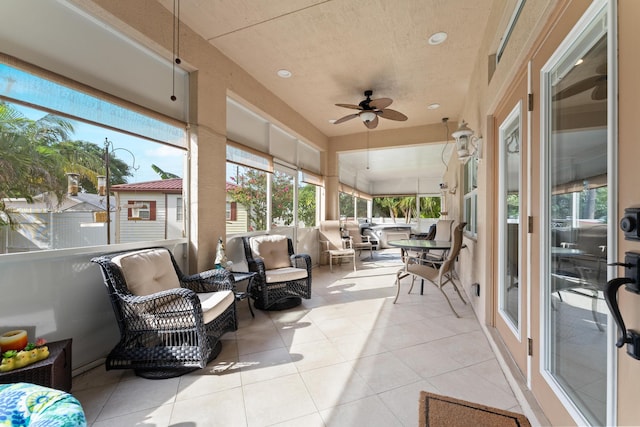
{"x": 214, "y": 303}
{"x": 274, "y": 251}
{"x": 285, "y": 274}
{"x": 148, "y": 271}
{"x": 172, "y": 314}
{"x": 342, "y": 252}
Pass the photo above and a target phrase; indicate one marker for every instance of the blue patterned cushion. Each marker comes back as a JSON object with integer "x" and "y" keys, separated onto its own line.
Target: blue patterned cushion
{"x": 23, "y": 404}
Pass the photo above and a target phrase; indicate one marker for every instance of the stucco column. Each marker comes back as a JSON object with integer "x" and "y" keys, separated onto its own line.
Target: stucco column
{"x": 331, "y": 185}
{"x": 208, "y": 160}
{"x": 208, "y": 197}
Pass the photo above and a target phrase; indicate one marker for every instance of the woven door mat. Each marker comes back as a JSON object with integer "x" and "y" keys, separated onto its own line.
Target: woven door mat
{"x": 443, "y": 411}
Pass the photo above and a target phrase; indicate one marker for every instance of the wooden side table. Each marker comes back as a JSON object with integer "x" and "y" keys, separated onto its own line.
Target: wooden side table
{"x": 53, "y": 372}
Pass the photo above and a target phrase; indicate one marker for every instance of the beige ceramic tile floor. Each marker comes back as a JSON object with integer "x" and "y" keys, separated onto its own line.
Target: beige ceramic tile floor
{"x": 346, "y": 357}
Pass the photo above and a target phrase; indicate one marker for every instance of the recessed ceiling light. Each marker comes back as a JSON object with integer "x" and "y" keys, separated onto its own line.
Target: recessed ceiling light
{"x": 437, "y": 38}
{"x": 285, "y": 74}
{"x": 433, "y": 106}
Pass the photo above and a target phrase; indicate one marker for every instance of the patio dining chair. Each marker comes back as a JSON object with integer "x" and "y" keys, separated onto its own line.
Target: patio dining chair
{"x": 358, "y": 241}
{"x": 443, "y": 232}
{"x": 332, "y": 243}
{"x": 170, "y": 323}
{"x": 440, "y": 274}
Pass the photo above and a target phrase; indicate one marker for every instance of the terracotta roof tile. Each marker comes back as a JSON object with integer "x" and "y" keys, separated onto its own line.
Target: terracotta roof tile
{"x": 173, "y": 185}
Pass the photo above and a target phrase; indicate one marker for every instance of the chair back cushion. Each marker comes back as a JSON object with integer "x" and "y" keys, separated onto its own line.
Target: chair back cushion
{"x": 330, "y": 232}
{"x": 273, "y": 249}
{"x": 443, "y": 229}
{"x": 148, "y": 271}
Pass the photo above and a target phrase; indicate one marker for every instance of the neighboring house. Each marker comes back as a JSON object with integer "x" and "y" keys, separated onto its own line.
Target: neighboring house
{"x": 236, "y": 214}
{"x": 45, "y": 224}
{"x": 150, "y": 210}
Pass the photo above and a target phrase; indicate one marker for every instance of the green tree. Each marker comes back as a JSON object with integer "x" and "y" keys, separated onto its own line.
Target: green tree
{"x": 386, "y": 206}
{"x": 87, "y": 160}
{"x": 430, "y": 207}
{"x": 307, "y": 205}
{"x": 29, "y": 165}
{"x": 513, "y": 205}
{"x": 163, "y": 174}
{"x": 282, "y": 198}
{"x": 407, "y": 205}
{"x": 36, "y": 154}
{"x": 250, "y": 190}
{"x": 345, "y": 205}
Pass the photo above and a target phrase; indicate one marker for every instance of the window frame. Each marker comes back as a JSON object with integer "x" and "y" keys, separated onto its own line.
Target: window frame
{"x": 149, "y": 206}
{"x": 470, "y": 198}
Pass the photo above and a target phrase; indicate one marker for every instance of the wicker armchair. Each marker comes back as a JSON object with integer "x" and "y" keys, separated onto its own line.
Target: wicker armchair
{"x": 283, "y": 277}
{"x": 169, "y": 323}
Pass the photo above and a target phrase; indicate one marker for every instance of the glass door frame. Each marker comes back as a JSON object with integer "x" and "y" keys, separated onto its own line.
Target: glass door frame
{"x": 513, "y": 116}
{"x": 597, "y": 8}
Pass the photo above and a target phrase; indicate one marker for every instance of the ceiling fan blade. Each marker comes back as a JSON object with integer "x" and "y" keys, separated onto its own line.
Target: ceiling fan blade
{"x": 354, "y": 107}
{"x": 577, "y": 88}
{"x": 380, "y": 103}
{"x": 390, "y": 114}
{"x": 345, "y": 118}
{"x": 372, "y": 124}
{"x": 600, "y": 92}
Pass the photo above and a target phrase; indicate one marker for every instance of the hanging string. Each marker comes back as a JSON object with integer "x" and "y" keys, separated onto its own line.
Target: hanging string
{"x": 176, "y": 46}
{"x": 445, "y": 121}
{"x": 368, "y": 149}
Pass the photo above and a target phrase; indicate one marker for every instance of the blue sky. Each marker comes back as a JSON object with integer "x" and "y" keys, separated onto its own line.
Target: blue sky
{"x": 146, "y": 152}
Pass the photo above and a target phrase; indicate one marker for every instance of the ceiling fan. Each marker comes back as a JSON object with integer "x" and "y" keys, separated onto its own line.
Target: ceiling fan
{"x": 370, "y": 110}
{"x": 598, "y": 82}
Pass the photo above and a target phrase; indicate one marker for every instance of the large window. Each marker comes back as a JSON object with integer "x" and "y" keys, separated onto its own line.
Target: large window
{"x": 257, "y": 191}
{"x": 52, "y": 160}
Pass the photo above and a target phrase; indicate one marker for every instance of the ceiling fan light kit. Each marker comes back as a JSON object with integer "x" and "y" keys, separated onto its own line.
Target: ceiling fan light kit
{"x": 370, "y": 110}
{"x": 367, "y": 116}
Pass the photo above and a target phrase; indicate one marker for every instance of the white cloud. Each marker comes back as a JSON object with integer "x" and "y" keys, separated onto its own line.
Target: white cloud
{"x": 164, "y": 151}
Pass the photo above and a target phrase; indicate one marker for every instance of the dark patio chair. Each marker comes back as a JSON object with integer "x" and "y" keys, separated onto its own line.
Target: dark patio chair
{"x": 283, "y": 277}
{"x": 170, "y": 323}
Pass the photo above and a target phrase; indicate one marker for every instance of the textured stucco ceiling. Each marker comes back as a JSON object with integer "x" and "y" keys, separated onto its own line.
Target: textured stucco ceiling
{"x": 337, "y": 49}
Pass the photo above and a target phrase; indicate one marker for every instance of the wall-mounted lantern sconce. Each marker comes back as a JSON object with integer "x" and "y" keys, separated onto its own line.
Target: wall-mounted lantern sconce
{"x": 466, "y": 143}
{"x": 72, "y": 184}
